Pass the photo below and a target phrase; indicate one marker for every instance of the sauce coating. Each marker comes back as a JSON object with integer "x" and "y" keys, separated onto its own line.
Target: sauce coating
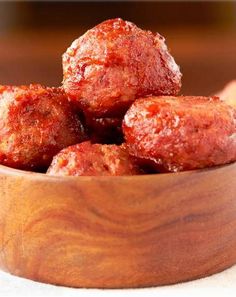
{"x": 87, "y": 159}
{"x": 181, "y": 133}
{"x": 35, "y": 124}
{"x": 114, "y": 63}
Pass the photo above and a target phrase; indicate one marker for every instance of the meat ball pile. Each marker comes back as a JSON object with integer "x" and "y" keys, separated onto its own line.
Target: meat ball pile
{"x": 117, "y": 112}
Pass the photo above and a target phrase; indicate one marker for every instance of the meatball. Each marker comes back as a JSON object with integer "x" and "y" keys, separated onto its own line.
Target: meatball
{"x": 114, "y": 63}
{"x": 105, "y": 130}
{"x": 35, "y": 124}
{"x": 228, "y": 94}
{"x": 93, "y": 159}
{"x": 181, "y": 133}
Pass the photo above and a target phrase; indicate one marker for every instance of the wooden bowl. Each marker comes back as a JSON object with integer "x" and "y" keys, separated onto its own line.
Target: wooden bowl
{"x": 117, "y": 232}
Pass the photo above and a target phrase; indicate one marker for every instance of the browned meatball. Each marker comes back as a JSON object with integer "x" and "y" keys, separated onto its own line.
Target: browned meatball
{"x": 105, "y": 130}
{"x": 114, "y": 63}
{"x": 93, "y": 159}
{"x": 181, "y": 133}
{"x": 35, "y": 124}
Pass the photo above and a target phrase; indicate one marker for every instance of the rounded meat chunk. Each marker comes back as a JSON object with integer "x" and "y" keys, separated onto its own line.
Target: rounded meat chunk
{"x": 89, "y": 159}
{"x": 114, "y": 63}
{"x": 35, "y": 124}
{"x": 228, "y": 94}
{"x": 181, "y": 133}
{"x": 105, "y": 130}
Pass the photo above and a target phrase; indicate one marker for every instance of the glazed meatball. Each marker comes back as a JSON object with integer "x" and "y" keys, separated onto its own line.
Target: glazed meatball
{"x": 228, "y": 94}
{"x": 181, "y": 133}
{"x": 114, "y": 63}
{"x": 35, "y": 124}
{"x": 93, "y": 159}
{"x": 105, "y": 130}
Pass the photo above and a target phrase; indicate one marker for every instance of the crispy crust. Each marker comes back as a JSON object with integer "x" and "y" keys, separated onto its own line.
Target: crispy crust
{"x": 35, "y": 124}
{"x": 181, "y": 133}
{"x": 114, "y": 63}
{"x": 93, "y": 159}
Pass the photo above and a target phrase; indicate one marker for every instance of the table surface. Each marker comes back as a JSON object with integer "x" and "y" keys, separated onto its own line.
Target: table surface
{"x": 218, "y": 284}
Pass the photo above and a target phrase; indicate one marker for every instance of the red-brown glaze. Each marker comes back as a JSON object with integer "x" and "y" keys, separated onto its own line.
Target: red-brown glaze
{"x": 35, "y": 124}
{"x": 93, "y": 159}
{"x": 105, "y": 130}
{"x": 114, "y": 63}
{"x": 181, "y": 133}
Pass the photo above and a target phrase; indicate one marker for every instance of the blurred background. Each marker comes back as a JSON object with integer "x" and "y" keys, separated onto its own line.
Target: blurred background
{"x": 200, "y": 35}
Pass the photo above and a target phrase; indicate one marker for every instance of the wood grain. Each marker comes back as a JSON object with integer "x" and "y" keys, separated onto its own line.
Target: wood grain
{"x": 117, "y": 232}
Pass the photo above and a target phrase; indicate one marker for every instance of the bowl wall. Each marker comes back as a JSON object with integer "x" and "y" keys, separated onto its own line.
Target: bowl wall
{"x": 117, "y": 232}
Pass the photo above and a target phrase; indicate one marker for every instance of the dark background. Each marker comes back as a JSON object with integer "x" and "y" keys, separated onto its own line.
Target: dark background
{"x": 201, "y": 36}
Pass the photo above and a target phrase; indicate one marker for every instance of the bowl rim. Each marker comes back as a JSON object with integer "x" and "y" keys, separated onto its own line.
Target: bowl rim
{"x": 8, "y": 171}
